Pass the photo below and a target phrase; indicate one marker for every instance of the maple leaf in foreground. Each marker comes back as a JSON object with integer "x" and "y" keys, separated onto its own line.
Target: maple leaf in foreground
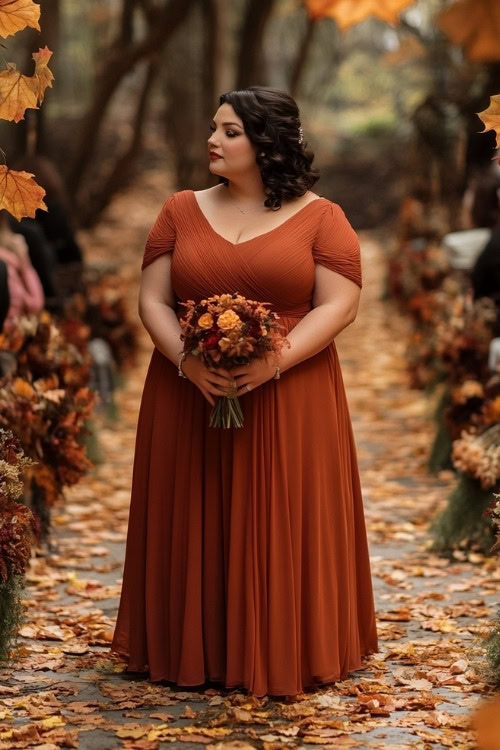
{"x": 491, "y": 117}
{"x": 19, "y": 193}
{"x": 348, "y": 12}
{"x": 18, "y": 92}
{"x": 15, "y": 15}
{"x": 474, "y": 25}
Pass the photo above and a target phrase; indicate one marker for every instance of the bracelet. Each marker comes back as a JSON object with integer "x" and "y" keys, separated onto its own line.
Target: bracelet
{"x": 179, "y": 368}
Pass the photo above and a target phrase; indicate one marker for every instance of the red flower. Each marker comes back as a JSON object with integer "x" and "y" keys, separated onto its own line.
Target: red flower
{"x": 211, "y": 341}
{"x": 254, "y": 329}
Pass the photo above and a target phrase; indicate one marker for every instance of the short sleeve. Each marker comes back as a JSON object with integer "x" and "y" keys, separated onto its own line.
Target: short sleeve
{"x": 336, "y": 245}
{"x": 161, "y": 237}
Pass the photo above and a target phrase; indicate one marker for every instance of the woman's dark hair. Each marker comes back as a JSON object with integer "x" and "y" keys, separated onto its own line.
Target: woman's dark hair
{"x": 271, "y": 121}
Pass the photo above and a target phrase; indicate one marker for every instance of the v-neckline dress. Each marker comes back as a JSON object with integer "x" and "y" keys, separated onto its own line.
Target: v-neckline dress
{"x": 247, "y": 560}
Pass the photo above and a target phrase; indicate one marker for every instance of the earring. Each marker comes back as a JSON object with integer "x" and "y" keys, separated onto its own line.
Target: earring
{"x": 262, "y": 153}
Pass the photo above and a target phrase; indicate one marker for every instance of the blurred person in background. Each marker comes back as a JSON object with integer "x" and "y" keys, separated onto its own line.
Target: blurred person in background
{"x": 42, "y": 258}
{"x": 55, "y": 222}
{"x": 4, "y": 293}
{"x": 25, "y": 291}
{"x": 51, "y": 235}
{"x": 485, "y": 212}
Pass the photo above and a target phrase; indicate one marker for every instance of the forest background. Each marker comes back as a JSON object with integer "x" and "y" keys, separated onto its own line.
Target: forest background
{"x": 387, "y": 108}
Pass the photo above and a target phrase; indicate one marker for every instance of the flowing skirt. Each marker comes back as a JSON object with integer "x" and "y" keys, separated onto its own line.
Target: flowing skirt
{"x": 247, "y": 559}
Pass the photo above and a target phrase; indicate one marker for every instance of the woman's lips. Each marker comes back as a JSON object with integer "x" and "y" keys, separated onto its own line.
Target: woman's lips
{"x": 215, "y": 156}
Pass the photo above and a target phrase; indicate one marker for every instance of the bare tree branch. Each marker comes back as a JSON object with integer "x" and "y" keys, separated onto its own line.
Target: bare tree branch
{"x": 97, "y": 201}
{"x": 119, "y": 61}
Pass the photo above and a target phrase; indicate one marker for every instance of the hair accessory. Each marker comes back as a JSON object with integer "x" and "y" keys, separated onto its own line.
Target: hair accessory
{"x": 301, "y": 135}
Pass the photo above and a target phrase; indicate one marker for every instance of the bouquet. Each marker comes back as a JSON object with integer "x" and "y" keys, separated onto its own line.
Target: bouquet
{"x": 229, "y": 330}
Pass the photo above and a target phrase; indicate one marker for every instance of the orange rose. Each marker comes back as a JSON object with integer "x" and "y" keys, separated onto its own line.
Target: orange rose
{"x": 205, "y": 321}
{"x": 229, "y": 321}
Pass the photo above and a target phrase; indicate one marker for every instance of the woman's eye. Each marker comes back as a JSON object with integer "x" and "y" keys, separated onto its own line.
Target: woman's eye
{"x": 228, "y": 132}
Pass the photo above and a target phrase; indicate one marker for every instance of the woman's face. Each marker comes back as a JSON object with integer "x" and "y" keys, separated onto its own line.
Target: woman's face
{"x": 229, "y": 141}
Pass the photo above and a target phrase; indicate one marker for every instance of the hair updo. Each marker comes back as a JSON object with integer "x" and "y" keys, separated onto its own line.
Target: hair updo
{"x": 271, "y": 122}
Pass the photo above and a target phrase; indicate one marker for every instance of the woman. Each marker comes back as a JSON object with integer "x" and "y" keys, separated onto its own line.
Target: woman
{"x": 485, "y": 273}
{"x": 24, "y": 287}
{"x": 4, "y": 293}
{"x": 247, "y": 561}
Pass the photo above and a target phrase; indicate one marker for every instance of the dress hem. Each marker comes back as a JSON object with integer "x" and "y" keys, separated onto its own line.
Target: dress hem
{"x": 271, "y": 691}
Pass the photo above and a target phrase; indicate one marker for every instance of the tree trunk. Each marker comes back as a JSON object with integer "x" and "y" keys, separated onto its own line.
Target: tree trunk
{"x": 95, "y": 200}
{"x": 302, "y": 55}
{"x": 120, "y": 61}
{"x": 49, "y": 35}
{"x": 191, "y": 100}
{"x": 251, "y": 68}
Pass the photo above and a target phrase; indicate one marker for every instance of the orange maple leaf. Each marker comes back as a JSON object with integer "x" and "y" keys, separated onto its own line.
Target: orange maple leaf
{"x": 18, "y": 92}
{"x": 43, "y": 75}
{"x": 491, "y": 117}
{"x": 348, "y": 12}
{"x": 22, "y": 388}
{"x": 474, "y": 25}
{"x": 19, "y": 193}
{"x": 15, "y": 15}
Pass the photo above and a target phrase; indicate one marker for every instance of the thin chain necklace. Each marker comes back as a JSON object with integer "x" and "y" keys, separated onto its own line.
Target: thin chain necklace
{"x": 238, "y": 207}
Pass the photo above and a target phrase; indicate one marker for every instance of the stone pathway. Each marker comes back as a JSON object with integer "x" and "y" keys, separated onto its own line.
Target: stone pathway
{"x": 417, "y": 692}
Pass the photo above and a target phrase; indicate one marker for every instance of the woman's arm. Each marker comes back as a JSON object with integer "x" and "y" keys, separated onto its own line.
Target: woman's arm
{"x": 33, "y": 296}
{"x": 335, "y": 305}
{"x": 157, "y": 312}
{"x": 157, "y": 308}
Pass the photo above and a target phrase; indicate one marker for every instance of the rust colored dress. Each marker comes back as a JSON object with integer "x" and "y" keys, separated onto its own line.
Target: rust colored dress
{"x": 247, "y": 558}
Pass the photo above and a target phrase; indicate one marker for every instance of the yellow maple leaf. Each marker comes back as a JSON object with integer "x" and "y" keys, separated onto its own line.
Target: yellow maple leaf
{"x": 15, "y": 15}
{"x": 19, "y": 193}
{"x": 349, "y": 12}
{"x": 19, "y": 92}
{"x": 491, "y": 117}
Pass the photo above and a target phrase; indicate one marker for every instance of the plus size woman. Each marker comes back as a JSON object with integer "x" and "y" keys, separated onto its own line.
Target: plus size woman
{"x": 247, "y": 559}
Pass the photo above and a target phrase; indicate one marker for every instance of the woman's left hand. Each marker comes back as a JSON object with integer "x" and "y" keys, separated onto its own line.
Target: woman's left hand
{"x": 257, "y": 371}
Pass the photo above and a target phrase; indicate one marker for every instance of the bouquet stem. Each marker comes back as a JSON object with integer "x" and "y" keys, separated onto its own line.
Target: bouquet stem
{"x": 227, "y": 411}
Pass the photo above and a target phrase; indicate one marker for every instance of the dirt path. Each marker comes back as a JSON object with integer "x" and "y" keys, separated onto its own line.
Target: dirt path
{"x": 417, "y": 692}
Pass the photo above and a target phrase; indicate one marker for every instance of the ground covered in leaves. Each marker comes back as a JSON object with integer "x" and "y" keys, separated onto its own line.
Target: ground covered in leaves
{"x": 66, "y": 690}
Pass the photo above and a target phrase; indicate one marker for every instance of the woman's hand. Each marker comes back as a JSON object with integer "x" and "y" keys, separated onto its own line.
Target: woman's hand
{"x": 210, "y": 381}
{"x": 257, "y": 371}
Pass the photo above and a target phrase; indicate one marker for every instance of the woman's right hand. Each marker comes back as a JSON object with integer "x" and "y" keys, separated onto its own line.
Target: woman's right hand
{"x": 211, "y": 381}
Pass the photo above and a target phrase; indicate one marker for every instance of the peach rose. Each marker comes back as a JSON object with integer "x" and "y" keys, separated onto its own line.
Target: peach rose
{"x": 229, "y": 321}
{"x": 205, "y": 321}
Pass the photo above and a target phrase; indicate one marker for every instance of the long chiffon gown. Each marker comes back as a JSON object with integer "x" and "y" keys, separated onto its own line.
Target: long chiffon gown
{"x": 247, "y": 559}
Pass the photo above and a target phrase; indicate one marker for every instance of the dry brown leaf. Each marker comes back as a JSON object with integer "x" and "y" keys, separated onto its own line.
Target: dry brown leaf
{"x": 15, "y": 15}
{"x": 491, "y": 116}
{"x": 19, "y": 92}
{"x": 20, "y": 195}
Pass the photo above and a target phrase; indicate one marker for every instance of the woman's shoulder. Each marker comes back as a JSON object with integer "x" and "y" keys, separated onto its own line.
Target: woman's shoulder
{"x": 176, "y": 198}
{"x": 175, "y": 204}
{"x": 326, "y": 206}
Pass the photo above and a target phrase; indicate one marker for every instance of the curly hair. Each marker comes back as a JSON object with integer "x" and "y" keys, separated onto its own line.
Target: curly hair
{"x": 271, "y": 122}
